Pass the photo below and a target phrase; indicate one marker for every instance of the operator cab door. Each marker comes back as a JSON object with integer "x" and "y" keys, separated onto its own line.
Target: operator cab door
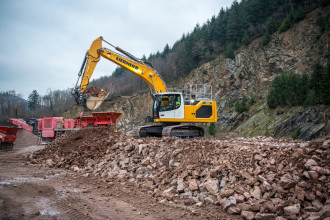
{"x": 170, "y": 106}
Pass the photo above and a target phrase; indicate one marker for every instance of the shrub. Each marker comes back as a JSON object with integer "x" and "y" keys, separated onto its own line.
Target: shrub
{"x": 241, "y": 106}
{"x": 229, "y": 53}
{"x": 296, "y": 134}
{"x": 212, "y": 129}
{"x": 266, "y": 39}
{"x": 286, "y": 23}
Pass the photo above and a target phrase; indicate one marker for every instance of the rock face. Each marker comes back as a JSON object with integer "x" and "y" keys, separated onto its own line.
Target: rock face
{"x": 261, "y": 177}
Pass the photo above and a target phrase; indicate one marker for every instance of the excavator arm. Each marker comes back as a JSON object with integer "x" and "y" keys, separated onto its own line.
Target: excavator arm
{"x": 122, "y": 58}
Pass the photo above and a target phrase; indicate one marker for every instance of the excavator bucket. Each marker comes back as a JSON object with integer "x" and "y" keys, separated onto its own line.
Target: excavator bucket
{"x": 96, "y": 98}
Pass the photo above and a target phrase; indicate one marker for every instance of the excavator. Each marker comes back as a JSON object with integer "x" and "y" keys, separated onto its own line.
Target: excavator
{"x": 172, "y": 111}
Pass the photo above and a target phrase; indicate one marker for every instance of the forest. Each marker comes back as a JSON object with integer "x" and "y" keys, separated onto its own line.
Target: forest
{"x": 232, "y": 28}
{"x": 225, "y": 32}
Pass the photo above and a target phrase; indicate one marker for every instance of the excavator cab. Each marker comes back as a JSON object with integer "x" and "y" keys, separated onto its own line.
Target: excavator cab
{"x": 168, "y": 106}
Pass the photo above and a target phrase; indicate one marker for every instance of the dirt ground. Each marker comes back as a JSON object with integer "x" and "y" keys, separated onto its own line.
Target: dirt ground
{"x": 30, "y": 191}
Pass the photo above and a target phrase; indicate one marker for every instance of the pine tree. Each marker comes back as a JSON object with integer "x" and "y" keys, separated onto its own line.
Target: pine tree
{"x": 33, "y": 100}
{"x": 246, "y": 38}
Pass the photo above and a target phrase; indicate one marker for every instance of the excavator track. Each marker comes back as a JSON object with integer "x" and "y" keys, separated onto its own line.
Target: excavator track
{"x": 180, "y": 131}
{"x": 183, "y": 131}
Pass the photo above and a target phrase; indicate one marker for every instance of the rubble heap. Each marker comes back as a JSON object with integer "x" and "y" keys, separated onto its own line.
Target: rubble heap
{"x": 258, "y": 178}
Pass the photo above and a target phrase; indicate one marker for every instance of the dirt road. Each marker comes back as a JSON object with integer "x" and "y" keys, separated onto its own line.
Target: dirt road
{"x": 35, "y": 192}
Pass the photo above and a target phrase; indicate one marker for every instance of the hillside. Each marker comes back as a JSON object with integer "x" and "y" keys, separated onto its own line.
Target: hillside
{"x": 250, "y": 74}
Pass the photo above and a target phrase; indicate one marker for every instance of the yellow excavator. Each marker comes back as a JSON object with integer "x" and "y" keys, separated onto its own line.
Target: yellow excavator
{"x": 192, "y": 104}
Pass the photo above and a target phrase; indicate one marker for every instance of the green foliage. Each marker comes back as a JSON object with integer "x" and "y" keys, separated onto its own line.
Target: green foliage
{"x": 323, "y": 22}
{"x": 252, "y": 101}
{"x": 291, "y": 89}
{"x": 299, "y": 15}
{"x": 212, "y": 129}
{"x": 310, "y": 98}
{"x": 241, "y": 106}
{"x": 266, "y": 39}
{"x": 229, "y": 53}
{"x": 295, "y": 135}
{"x": 267, "y": 134}
{"x": 209, "y": 56}
{"x": 118, "y": 72}
{"x": 286, "y": 23}
{"x": 271, "y": 26}
{"x": 246, "y": 38}
{"x": 325, "y": 2}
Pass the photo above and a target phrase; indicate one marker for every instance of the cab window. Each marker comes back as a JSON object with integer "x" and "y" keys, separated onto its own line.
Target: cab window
{"x": 170, "y": 102}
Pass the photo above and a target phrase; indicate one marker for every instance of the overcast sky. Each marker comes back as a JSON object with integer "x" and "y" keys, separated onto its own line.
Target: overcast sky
{"x": 43, "y": 42}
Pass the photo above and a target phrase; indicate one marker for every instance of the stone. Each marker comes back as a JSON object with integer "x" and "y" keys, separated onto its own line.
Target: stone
{"x": 181, "y": 186}
{"x": 205, "y": 172}
{"x": 287, "y": 181}
{"x": 229, "y": 202}
{"x": 233, "y": 210}
{"x": 306, "y": 174}
{"x": 239, "y": 198}
{"x": 300, "y": 193}
{"x": 129, "y": 148}
{"x": 208, "y": 200}
{"x": 193, "y": 185}
{"x": 146, "y": 162}
{"x": 211, "y": 186}
{"x": 310, "y": 163}
{"x": 267, "y": 207}
{"x": 326, "y": 144}
{"x": 313, "y": 174}
{"x": 316, "y": 203}
{"x": 169, "y": 193}
{"x": 247, "y": 195}
{"x": 190, "y": 201}
{"x": 325, "y": 212}
{"x": 310, "y": 196}
{"x": 247, "y": 176}
{"x": 176, "y": 152}
{"x": 50, "y": 163}
{"x": 227, "y": 193}
{"x": 256, "y": 192}
{"x": 265, "y": 216}
{"x": 258, "y": 157}
{"x": 292, "y": 210}
{"x": 270, "y": 177}
{"x": 248, "y": 215}
{"x": 320, "y": 170}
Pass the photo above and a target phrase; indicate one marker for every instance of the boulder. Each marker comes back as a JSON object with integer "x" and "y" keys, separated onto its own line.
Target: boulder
{"x": 292, "y": 210}
{"x": 211, "y": 186}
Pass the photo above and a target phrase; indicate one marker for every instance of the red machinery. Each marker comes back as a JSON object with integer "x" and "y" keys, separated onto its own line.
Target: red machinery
{"x": 52, "y": 127}
{"x": 7, "y": 137}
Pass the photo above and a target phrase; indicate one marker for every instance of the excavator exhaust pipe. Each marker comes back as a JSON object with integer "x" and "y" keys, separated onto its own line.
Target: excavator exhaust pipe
{"x": 96, "y": 98}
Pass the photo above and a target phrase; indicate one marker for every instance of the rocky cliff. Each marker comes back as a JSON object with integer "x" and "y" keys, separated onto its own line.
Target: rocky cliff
{"x": 250, "y": 74}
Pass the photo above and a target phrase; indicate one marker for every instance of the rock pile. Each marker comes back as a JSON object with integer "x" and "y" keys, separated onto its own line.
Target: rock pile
{"x": 25, "y": 138}
{"x": 258, "y": 178}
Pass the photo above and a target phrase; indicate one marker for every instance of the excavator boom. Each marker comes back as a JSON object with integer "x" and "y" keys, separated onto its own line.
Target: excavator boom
{"x": 123, "y": 59}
